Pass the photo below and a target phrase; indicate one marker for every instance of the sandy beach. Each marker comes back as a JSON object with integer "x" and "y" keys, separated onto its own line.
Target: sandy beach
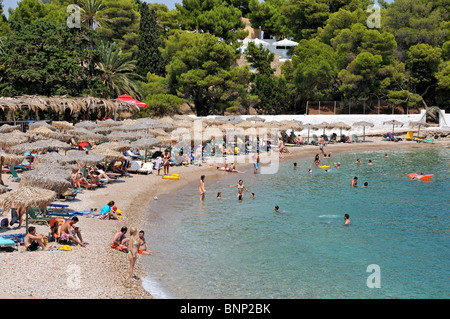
{"x": 99, "y": 272}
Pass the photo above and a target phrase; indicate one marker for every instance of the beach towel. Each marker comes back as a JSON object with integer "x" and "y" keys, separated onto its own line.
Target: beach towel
{"x": 14, "y": 216}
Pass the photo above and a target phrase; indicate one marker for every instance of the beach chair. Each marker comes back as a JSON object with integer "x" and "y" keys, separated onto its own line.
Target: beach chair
{"x": 14, "y": 177}
{"x": 327, "y": 141}
{"x": 315, "y": 140}
{"x": 87, "y": 186}
{"x": 146, "y": 168}
{"x": 356, "y": 139}
{"x": 135, "y": 166}
{"x": 34, "y": 218}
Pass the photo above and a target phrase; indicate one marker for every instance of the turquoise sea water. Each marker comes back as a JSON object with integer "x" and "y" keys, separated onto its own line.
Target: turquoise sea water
{"x": 231, "y": 249}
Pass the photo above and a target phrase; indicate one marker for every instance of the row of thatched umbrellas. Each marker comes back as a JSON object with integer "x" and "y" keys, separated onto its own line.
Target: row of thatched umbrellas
{"x": 39, "y": 187}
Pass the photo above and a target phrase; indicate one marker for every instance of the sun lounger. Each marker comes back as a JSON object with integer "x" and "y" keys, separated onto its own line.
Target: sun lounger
{"x": 34, "y": 218}
{"x": 15, "y": 177}
{"x": 87, "y": 186}
{"x": 356, "y": 139}
{"x": 134, "y": 166}
{"x": 146, "y": 168}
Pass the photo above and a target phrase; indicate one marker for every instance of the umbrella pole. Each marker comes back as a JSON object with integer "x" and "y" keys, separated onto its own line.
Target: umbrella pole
{"x": 1, "y": 172}
{"x": 26, "y": 221}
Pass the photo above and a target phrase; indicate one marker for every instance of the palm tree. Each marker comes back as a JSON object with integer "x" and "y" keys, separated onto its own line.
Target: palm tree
{"x": 91, "y": 10}
{"x": 118, "y": 72}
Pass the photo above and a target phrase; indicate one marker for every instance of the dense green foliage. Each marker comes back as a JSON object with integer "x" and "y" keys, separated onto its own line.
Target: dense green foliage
{"x": 189, "y": 54}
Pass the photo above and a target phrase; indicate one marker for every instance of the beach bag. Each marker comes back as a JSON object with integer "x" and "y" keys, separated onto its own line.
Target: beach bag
{"x": 4, "y": 222}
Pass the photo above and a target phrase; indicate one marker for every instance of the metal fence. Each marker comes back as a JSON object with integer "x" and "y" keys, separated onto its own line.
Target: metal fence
{"x": 355, "y": 107}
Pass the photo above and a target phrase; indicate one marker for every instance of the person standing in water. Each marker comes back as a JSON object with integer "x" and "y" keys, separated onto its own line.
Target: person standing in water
{"x": 256, "y": 161}
{"x": 202, "y": 188}
{"x": 240, "y": 186}
{"x": 347, "y": 219}
{"x": 354, "y": 181}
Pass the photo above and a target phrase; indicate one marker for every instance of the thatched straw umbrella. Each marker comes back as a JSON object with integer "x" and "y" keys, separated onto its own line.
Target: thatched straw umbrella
{"x": 6, "y": 128}
{"x": 41, "y": 124}
{"x": 146, "y": 143}
{"x": 41, "y": 130}
{"x": 323, "y": 126}
{"x": 364, "y": 124}
{"x": 310, "y": 127}
{"x": 116, "y": 146}
{"x": 47, "y": 179}
{"x": 88, "y": 158}
{"x": 40, "y": 146}
{"x": 109, "y": 123}
{"x": 121, "y": 136}
{"x": 8, "y": 140}
{"x": 341, "y": 126}
{"x": 87, "y": 125}
{"x": 393, "y": 123}
{"x": 27, "y": 197}
{"x": 8, "y": 159}
{"x": 63, "y": 125}
{"x": 53, "y": 157}
{"x": 419, "y": 124}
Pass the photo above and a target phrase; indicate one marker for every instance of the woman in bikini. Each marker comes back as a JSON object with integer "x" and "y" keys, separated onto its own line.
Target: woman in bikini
{"x": 201, "y": 188}
{"x": 166, "y": 162}
{"x": 240, "y": 186}
{"x": 132, "y": 251}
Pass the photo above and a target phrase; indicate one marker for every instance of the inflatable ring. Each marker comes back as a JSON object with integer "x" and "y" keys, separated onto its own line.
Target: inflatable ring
{"x": 324, "y": 166}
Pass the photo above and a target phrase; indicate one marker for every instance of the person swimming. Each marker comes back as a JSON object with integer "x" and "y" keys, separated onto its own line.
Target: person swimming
{"x": 370, "y": 162}
{"x": 347, "y": 219}
{"x": 277, "y": 209}
{"x": 358, "y": 161}
{"x": 354, "y": 182}
{"x": 219, "y": 195}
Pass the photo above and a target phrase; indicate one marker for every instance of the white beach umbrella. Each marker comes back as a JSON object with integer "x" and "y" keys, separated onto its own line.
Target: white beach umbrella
{"x": 285, "y": 43}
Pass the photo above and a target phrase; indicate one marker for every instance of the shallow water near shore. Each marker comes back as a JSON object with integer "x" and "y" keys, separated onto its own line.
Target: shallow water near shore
{"x": 243, "y": 249}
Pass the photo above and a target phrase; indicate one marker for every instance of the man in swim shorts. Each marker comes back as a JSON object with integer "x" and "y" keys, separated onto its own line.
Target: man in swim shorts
{"x": 142, "y": 245}
{"x": 256, "y": 161}
{"x": 69, "y": 231}
{"x": 33, "y": 241}
{"x": 117, "y": 242}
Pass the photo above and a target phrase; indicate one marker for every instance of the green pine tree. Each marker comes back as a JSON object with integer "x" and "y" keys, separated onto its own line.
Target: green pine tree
{"x": 148, "y": 55}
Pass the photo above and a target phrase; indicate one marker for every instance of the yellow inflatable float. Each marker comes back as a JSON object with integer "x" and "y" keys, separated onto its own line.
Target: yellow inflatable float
{"x": 173, "y": 176}
{"x": 324, "y": 166}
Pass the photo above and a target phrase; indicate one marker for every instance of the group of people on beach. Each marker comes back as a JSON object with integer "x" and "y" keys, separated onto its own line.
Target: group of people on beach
{"x": 63, "y": 230}
{"x": 133, "y": 246}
